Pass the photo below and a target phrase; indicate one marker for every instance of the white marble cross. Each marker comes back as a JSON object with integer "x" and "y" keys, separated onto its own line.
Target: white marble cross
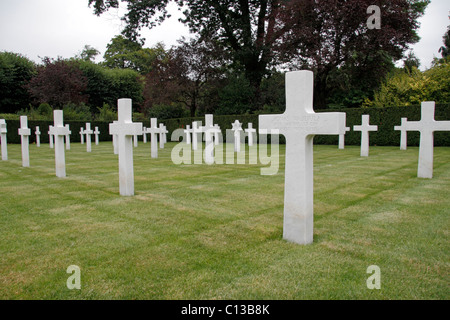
{"x": 165, "y": 132}
{"x": 299, "y": 123}
{"x": 50, "y": 137}
{"x": 125, "y": 129}
{"x": 3, "y": 132}
{"x": 38, "y": 136}
{"x": 403, "y": 134}
{"x": 68, "y": 137}
{"x": 96, "y": 134}
{"x": 365, "y": 127}
{"x": 154, "y": 131}
{"x": 88, "y": 132}
{"x": 426, "y": 126}
{"x": 188, "y": 132}
{"x": 342, "y": 139}
{"x": 251, "y": 132}
{"x": 114, "y": 142}
{"x": 196, "y": 130}
{"x": 209, "y": 143}
{"x": 144, "y": 134}
{"x": 162, "y": 135}
{"x": 59, "y": 131}
{"x": 82, "y": 135}
{"x": 135, "y": 140}
{"x": 25, "y": 133}
{"x": 216, "y": 132}
{"x": 237, "y": 128}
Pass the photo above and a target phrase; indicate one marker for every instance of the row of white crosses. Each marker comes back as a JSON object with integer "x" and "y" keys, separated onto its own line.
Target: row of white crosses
{"x": 88, "y": 132}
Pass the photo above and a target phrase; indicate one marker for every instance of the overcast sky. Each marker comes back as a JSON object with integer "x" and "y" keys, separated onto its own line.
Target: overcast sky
{"x": 39, "y": 28}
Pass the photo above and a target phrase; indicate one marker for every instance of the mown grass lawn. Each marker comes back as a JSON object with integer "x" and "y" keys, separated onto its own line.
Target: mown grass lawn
{"x": 215, "y": 232}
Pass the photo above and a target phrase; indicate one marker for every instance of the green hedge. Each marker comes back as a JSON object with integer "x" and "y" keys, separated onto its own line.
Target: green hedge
{"x": 385, "y": 118}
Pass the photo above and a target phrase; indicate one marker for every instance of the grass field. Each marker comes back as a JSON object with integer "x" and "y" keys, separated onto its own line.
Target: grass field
{"x": 215, "y": 232}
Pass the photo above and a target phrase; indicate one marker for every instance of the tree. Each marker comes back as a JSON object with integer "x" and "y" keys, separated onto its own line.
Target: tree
{"x": 411, "y": 61}
{"x": 58, "y": 82}
{"x": 15, "y": 72}
{"x": 263, "y": 33}
{"x": 332, "y": 34}
{"x": 408, "y": 88}
{"x": 183, "y": 75}
{"x": 445, "y": 49}
{"x": 88, "y": 53}
{"x": 123, "y": 53}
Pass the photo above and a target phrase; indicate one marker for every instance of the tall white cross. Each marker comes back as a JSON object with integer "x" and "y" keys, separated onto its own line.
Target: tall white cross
{"x": 82, "y": 135}
{"x": 365, "y": 127}
{"x": 96, "y": 134}
{"x": 59, "y": 131}
{"x": 426, "y": 126}
{"x": 3, "y": 132}
{"x": 251, "y": 132}
{"x": 88, "y": 132}
{"x": 25, "y": 133}
{"x": 188, "y": 132}
{"x": 50, "y": 137}
{"x": 403, "y": 134}
{"x": 38, "y": 136}
{"x": 342, "y": 139}
{"x": 68, "y": 137}
{"x": 299, "y": 124}
{"x": 154, "y": 131}
{"x": 237, "y": 128}
{"x": 125, "y": 129}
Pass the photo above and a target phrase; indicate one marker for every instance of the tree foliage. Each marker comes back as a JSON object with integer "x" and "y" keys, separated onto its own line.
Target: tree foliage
{"x": 319, "y": 35}
{"x": 412, "y": 87}
{"x": 58, "y": 82}
{"x": 15, "y": 72}
{"x": 184, "y": 75}
{"x": 123, "y": 53}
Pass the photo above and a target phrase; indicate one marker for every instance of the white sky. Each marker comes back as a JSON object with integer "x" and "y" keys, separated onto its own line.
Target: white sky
{"x": 39, "y": 28}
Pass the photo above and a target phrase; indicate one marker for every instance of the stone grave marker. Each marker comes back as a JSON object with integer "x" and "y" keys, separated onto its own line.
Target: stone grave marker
{"x": 96, "y": 135}
{"x": 25, "y": 133}
{"x": 125, "y": 129}
{"x": 365, "y": 128}
{"x": 88, "y": 132}
{"x": 426, "y": 126}
{"x": 403, "y": 134}
{"x": 299, "y": 123}
{"x": 3, "y": 132}
{"x": 38, "y": 136}
{"x": 60, "y": 132}
{"x": 237, "y": 129}
{"x": 68, "y": 137}
{"x": 342, "y": 139}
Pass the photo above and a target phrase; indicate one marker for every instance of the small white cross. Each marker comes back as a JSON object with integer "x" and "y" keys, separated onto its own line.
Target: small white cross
{"x": 25, "y": 133}
{"x": 365, "y": 127}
